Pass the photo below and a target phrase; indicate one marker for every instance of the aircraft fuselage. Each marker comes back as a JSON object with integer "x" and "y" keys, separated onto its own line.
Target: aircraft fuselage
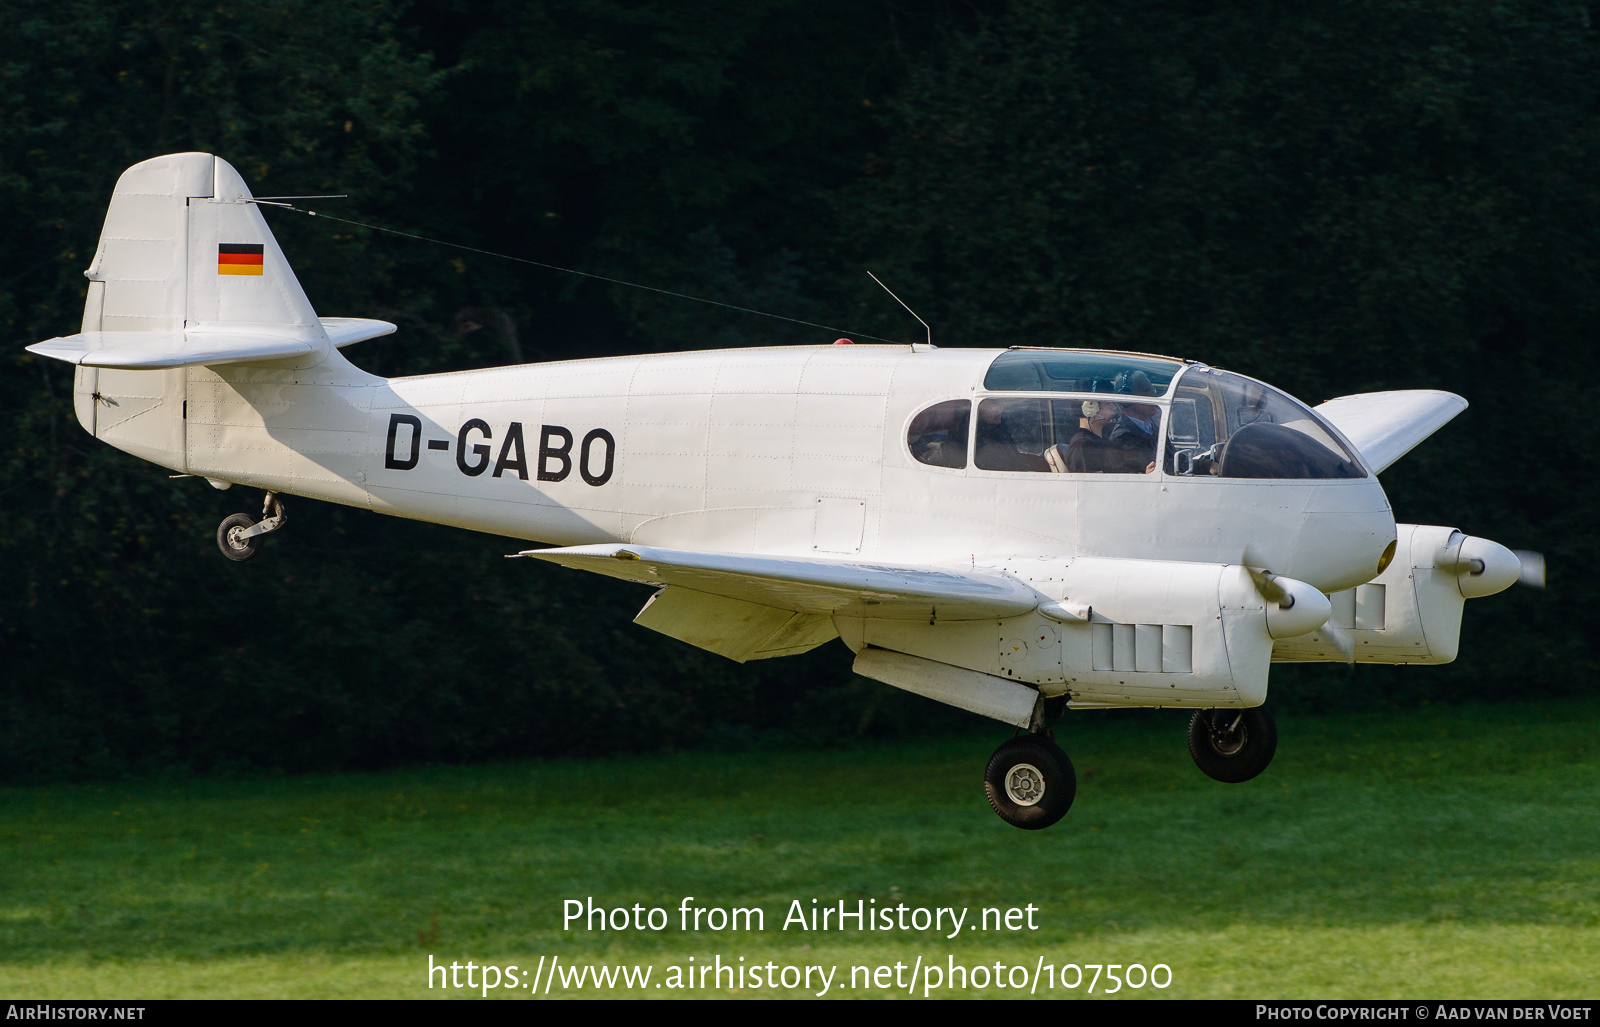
{"x": 796, "y": 451}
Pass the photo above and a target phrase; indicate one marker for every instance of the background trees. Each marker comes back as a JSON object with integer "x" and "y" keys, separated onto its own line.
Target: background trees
{"x": 1371, "y": 195}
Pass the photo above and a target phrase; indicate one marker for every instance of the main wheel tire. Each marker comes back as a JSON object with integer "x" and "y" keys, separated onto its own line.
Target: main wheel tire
{"x": 233, "y": 547}
{"x": 1232, "y": 745}
{"x": 1030, "y": 782}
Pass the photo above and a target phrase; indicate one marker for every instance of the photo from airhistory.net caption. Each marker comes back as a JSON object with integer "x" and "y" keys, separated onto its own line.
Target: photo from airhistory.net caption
{"x": 758, "y": 951}
{"x": 713, "y": 971}
{"x": 718, "y": 969}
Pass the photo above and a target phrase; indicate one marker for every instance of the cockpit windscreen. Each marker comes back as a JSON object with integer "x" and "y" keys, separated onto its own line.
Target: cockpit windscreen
{"x": 1227, "y": 426}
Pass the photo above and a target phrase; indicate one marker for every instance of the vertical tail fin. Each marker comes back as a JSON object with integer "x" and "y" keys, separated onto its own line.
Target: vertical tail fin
{"x": 188, "y": 273}
{"x": 138, "y": 281}
{"x": 184, "y": 248}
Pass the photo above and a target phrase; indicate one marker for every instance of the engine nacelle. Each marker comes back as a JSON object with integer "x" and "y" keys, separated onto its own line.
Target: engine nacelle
{"x": 1116, "y": 633}
{"x": 1411, "y": 613}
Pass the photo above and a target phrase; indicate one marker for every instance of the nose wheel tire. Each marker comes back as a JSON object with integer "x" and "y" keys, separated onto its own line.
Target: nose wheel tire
{"x": 1232, "y": 745}
{"x": 1030, "y": 782}
{"x": 228, "y": 540}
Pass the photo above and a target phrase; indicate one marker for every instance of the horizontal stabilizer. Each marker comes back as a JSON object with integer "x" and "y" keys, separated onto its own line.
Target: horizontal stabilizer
{"x": 152, "y": 350}
{"x": 347, "y": 331}
{"x": 1385, "y": 426}
{"x": 811, "y": 585}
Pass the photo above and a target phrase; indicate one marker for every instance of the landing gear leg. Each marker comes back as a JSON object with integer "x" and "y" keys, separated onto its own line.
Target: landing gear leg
{"x": 1232, "y": 745}
{"x": 239, "y": 535}
{"x": 1030, "y": 782}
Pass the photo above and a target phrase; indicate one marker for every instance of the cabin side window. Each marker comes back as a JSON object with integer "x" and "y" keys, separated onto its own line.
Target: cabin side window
{"x": 1091, "y": 435}
{"x": 1226, "y": 426}
{"x": 938, "y": 435}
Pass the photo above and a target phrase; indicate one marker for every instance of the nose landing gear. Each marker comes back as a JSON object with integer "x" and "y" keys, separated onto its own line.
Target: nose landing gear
{"x": 239, "y": 535}
{"x": 1232, "y": 745}
{"x": 1030, "y": 782}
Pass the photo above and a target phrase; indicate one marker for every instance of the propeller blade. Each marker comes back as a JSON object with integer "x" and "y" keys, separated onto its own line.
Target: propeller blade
{"x": 1285, "y": 617}
{"x": 1270, "y": 590}
{"x": 1342, "y": 641}
{"x": 1459, "y": 567}
{"x": 1532, "y": 567}
{"x": 1262, "y": 578}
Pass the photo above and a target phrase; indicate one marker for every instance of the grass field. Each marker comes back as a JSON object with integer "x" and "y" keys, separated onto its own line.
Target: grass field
{"x": 1447, "y": 852}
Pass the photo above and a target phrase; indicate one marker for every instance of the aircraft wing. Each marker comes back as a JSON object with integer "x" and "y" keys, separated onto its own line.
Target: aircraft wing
{"x": 810, "y": 585}
{"x": 1385, "y": 426}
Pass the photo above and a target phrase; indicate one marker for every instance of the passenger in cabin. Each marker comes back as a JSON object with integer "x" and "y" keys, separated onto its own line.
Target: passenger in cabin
{"x": 999, "y": 446}
{"x": 1112, "y": 438}
{"x": 938, "y": 435}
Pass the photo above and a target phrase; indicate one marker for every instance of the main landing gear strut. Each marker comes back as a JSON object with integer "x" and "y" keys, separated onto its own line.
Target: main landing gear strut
{"x": 1029, "y": 781}
{"x": 239, "y": 535}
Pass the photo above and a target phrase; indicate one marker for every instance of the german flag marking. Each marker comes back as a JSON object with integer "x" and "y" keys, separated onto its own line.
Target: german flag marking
{"x": 240, "y": 258}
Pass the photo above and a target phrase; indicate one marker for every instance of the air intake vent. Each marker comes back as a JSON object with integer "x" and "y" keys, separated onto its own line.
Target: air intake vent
{"x": 1144, "y": 648}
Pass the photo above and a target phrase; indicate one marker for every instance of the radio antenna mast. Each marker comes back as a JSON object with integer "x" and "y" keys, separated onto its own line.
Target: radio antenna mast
{"x": 902, "y": 302}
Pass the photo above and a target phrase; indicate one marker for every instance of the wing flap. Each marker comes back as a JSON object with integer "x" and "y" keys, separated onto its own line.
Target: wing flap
{"x": 733, "y": 628}
{"x": 1385, "y": 426}
{"x": 810, "y": 585}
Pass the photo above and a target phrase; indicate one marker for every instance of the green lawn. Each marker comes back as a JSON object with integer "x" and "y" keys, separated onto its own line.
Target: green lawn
{"x": 1448, "y": 852}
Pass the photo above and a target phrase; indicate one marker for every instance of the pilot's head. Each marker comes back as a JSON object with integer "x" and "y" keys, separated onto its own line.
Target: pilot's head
{"x": 1135, "y": 383}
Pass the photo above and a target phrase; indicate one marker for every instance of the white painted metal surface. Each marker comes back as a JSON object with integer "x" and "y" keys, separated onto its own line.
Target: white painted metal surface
{"x": 986, "y": 694}
{"x": 1385, "y": 426}
{"x": 153, "y": 350}
{"x": 775, "y": 492}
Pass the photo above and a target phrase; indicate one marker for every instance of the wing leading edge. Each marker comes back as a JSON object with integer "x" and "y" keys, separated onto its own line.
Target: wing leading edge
{"x": 810, "y": 586}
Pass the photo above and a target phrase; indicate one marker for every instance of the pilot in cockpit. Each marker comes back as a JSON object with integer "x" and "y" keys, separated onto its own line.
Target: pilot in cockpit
{"x": 1116, "y": 438}
{"x": 1145, "y": 416}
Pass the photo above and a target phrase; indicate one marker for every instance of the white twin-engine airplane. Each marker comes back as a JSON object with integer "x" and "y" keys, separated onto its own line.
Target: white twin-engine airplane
{"x": 1011, "y": 531}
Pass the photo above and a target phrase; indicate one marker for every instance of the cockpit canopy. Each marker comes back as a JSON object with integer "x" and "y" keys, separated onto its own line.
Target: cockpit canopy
{"x": 1218, "y": 425}
{"x": 1033, "y": 370}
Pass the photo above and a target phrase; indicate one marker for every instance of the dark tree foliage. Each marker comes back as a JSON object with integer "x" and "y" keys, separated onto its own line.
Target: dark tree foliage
{"x": 554, "y": 131}
{"x": 1368, "y": 195}
{"x": 1334, "y": 198}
